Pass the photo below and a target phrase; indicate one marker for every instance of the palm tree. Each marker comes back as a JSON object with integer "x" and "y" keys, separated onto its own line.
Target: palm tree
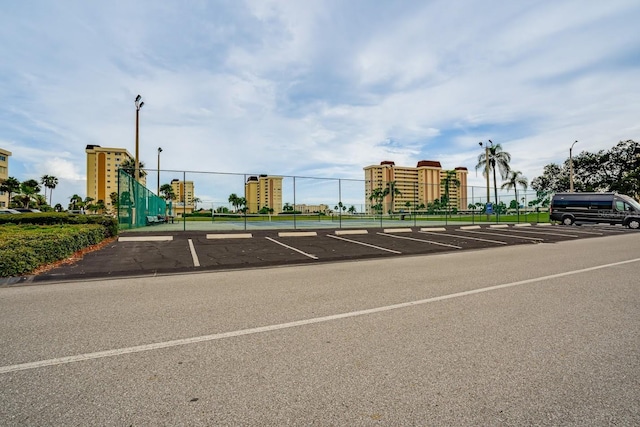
{"x": 393, "y": 191}
{"x": 166, "y": 191}
{"x": 196, "y": 200}
{"x": 449, "y": 179}
{"x": 29, "y": 189}
{"x": 50, "y": 182}
{"x": 513, "y": 180}
{"x": 10, "y": 186}
{"x": 377, "y": 195}
{"x": 498, "y": 159}
{"x": 129, "y": 166}
{"x": 75, "y": 202}
{"x": 234, "y": 200}
{"x": 352, "y": 209}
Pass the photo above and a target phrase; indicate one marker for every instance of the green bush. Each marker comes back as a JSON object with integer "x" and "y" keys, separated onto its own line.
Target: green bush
{"x": 59, "y": 218}
{"x": 23, "y": 248}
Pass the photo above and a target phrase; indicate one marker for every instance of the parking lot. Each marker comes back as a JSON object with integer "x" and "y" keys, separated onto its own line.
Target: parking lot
{"x": 174, "y": 252}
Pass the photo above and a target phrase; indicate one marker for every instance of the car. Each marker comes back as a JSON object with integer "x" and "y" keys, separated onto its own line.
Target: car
{"x": 27, "y": 210}
{"x": 8, "y": 211}
{"x": 611, "y": 208}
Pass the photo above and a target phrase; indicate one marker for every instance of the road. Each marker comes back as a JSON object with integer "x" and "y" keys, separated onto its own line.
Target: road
{"x": 544, "y": 334}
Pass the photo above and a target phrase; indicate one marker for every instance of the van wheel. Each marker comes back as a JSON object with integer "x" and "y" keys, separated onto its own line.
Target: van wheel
{"x": 634, "y": 223}
{"x": 567, "y": 220}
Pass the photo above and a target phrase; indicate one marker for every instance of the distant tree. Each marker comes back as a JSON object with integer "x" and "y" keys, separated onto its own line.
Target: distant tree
{"x": 222, "y": 209}
{"x": 515, "y": 179}
{"x": 114, "y": 201}
{"x": 287, "y": 207}
{"x": 352, "y": 209}
{"x": 498, "y": 159}
{"x": 450, "y": 179}
{"x": 75, "y": 202}
{"x": 50, "y": 182}
{"x": 28, "y": 191}
{"x": 377, "y": 196}
{"x": 196, "y": 200}
{"x": 393, "y": 191}
{"x": 166, "y": 192}
{"x": 100, "y": 206}
{"x": 129, "y": 166}
{"x": 57, "y": 207}
{"x": 234, "y": 200}
{"x": 10, "y": 186}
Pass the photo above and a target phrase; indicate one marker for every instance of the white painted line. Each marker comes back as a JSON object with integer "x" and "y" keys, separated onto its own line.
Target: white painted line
{"x": 543, "y": 224}
{"x": 471, "y": 238}
{"x": 470, "y": 227}
{"x": 433, "y": 229}
{"x": 420, "y": 240}
{"x": 504, "y": 235}
{"x": 292, "y": 248}
{"x": 281, "y": 326}
{"x": 499, "y": 226}
{"x": 346, "y": 232}
{"x": 397, "y": 230}
{"x": 364, "y": 244}
{"x": 297, "y": 234}
{"x": 230, "y": 236}
{"x": 524, "y": 224}
{"x": 545, "y": 233}
{"x": 145, "y": 239}
{"x": 194, "y": 255}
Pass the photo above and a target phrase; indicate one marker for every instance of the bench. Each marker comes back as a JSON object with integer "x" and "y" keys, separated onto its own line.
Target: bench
{"x": 154, "y": 219}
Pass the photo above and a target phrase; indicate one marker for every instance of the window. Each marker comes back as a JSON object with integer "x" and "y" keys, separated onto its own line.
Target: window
{"x": 3, "y": 158}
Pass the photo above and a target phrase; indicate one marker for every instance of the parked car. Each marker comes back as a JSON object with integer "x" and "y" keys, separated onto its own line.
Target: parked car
{"x": 8, "y": 211}
{"x": 27, "y": 210}
{"x": 612, "y": 208}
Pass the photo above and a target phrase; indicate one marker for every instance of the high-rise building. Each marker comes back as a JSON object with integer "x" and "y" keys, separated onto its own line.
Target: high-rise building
{"x": 263, "y": 191}
{"x": 4, "y": 174}
{"x": 407, "y": 188}
{"x": 102, "y": 171}
{"x": 184, "y": 195}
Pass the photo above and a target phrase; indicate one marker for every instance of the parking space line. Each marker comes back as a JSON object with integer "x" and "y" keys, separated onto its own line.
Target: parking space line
{"x": 548, "y": 233}
{"x": 230, "y": 236}
{"x": 420, "y": 240}
{"x": 524, "y": 224}
{"x": 543, "y": 224}
{"x": 470, "y": 227}
{"x": 504, "y": 235}
{"x": 364, "y": 244}
{"x": 194, "y": 255}
{"x": 292, "y": 248}
{"x": 499, "y": 226}
{"x": 581, "y": 232}
{"x": 145, "y": 239}
{"x": 434, "y": 229}
{"x": 466, "y": 237}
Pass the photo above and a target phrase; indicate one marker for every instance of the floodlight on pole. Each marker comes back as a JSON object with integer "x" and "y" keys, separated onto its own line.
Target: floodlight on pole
{"x": 139, "y": 103}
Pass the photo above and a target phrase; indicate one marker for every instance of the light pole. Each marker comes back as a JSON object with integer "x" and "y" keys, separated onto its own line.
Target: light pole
{"x": 159, "y": 151}
{"x": 571, "y": 167}
{"x": 139, "y": 103}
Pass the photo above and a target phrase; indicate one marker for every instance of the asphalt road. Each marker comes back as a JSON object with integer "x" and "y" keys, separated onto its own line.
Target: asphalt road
{"x": 531, "y": 334}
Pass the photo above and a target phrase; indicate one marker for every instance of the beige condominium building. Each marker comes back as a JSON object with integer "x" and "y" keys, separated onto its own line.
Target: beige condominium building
{"x": 263, "y": 191}
{"x": 4, "y": 174}
{"x": 414, "y": 186}
{"x": 184, "y": 192}
{"x": 102, "y": 171}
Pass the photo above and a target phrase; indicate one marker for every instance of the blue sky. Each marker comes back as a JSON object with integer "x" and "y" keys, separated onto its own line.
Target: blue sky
{"x": 314, "y": 88}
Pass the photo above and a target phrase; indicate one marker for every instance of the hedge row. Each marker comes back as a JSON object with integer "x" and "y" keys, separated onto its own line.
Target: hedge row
{"x": 25, "y": 248}
{"x": 58, "y": 218}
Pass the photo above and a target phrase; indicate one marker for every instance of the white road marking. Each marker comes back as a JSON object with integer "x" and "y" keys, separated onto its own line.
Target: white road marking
{"x": 499, "y": 226}
{"x": 276, "y": 327}
{"x": 547, "y": 233}
{"x": 504, "y": 235}
{"x": 194, "y": 255}
{"x": 145, "y": 239}
{"x": 420, "y": 240}
{"x": 292, "y": 248}
{"x": 470, "y": 227}
{"x": 434, "y": 229}
{"x": 524, "y": 224}
{"x": 364, "y": 244}
{"x": 466, "y": 237}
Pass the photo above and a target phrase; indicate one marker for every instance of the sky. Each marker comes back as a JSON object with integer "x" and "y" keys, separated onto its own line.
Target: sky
{"x": 314, "y": 88}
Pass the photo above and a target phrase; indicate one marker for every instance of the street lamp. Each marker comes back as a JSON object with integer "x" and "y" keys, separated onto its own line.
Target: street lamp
{"x": 139, "y": 103}
{"x": 571, "y": 167}
{"x": 159, "y": 151}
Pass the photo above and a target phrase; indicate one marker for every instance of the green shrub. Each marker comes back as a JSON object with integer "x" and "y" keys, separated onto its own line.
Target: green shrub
{"x": 59, "y": 218}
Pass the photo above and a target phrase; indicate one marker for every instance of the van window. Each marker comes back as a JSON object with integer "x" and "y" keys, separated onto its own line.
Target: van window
{"x": 623, "y": 207}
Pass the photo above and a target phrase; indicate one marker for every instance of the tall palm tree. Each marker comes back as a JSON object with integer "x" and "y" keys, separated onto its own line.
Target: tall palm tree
{"x": 234, "y": 200}
{"x": 166, "y": 190}
{"x": 196, "y": 200}
{"x": 377, "y": 196}
{"x": 129, "y": 166}
{"x": 50, "y": 182}
{"x": 513, "y": 180}
{"x": 393, "y": 191}
{"x": 450, "y": 179}
{"x": 10, "y": 186}
{"x": 498, "y": 159}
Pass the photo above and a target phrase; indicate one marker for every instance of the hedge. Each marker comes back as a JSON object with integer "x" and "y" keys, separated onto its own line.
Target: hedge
{"x": 30, "y": 240}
